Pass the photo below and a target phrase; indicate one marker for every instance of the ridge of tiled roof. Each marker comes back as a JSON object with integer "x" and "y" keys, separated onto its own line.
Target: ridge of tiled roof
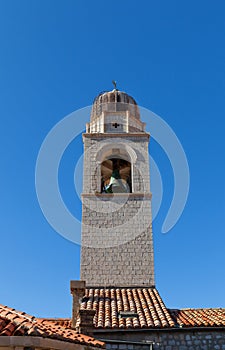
{"x": 146, "y": 308}
{"x": 109, "y": 302}
{"x": 16, "y": 323}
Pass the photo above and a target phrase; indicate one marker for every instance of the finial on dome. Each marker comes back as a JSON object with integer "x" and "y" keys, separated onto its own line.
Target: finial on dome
{"x": 114, "y": 84}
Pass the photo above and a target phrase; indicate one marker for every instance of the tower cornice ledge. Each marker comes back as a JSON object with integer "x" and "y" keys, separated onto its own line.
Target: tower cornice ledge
{"x": 117, "y": 135}
{"x": 111, "y": 195}
{"x": 122, "y": 286}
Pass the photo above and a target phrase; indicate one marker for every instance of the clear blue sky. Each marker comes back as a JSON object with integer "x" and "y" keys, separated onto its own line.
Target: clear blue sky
{"x": 55, "y": 57}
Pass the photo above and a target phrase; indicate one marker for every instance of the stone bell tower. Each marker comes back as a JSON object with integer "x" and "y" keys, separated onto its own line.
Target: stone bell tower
{"x": 117, "y": 247}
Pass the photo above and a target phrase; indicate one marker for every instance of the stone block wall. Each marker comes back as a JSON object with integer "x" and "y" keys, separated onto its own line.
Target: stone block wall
{"x": 117, "y": 247}
{"x": 169, "y": 340}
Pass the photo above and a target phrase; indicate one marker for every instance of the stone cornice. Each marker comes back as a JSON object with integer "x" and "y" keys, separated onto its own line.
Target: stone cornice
{"x": 117, "y": 135}
{"x": 118, "y": 195}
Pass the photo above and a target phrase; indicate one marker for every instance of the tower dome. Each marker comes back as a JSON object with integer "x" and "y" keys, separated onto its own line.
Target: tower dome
{"x": 115, "y": 112}
{"x": 114, "y": 101}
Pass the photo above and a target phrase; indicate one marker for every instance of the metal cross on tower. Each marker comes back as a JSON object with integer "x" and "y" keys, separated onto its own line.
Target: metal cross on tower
{"x": 114, "y": 83}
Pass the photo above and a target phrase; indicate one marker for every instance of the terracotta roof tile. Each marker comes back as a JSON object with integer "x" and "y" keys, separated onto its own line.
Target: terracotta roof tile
{"x": 13, "y": 322}
{"x": 145, "y": 309}
{"x": 199, "y": 317}
{"x": 63, "y": 322}
{"x": 145, "y": 305}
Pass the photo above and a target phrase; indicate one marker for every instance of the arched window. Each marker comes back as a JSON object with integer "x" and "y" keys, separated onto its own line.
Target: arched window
{"x": 116, "y": 175}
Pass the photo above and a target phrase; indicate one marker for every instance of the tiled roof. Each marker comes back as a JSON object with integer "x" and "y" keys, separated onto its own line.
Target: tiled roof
{"x": 13, "y": 322}
{"x": 199, "y": 317}
{"x": 124, "y": 308}
{"x": 146, "y": 303}
{"x": 64, "y": 322}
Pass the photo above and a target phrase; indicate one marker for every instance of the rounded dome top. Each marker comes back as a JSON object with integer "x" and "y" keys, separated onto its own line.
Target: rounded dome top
{"x": 114, "y": 101}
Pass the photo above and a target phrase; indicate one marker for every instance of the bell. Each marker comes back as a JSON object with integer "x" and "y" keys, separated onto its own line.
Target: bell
{"x": 116, "y": 184}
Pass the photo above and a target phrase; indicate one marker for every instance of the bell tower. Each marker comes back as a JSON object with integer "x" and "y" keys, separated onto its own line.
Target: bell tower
{"x": 117, "y": 247}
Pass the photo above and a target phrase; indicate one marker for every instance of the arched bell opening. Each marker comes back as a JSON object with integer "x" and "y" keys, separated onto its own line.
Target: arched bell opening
{"x": 116, "y": 176}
